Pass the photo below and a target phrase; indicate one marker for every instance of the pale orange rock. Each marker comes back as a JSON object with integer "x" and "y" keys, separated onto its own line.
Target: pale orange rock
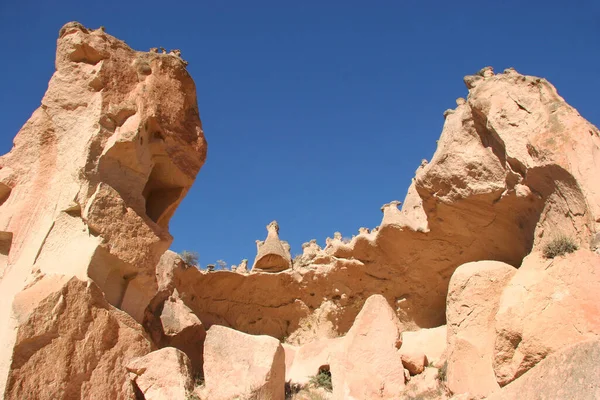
{"x": 241, "y": 365}
{"x": 570, "y": 373}
{"x": 414, "y": 361}
{"x": 273, "y": 255}
{"x": 71, "y": 344}
{"x": 547, "y": 305}
{"x": 95, "y": 175}
{"x": 182, "y": 330}
{"x": 473, "y": 298}
{"x": 162, "y": 374}
{"x": 431, "y": 342}
{"x": 367, "y": 364}
{"x": 309, "y": 358}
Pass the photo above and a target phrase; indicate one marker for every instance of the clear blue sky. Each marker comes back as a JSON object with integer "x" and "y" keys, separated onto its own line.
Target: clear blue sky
{"x": 316, "y": 112}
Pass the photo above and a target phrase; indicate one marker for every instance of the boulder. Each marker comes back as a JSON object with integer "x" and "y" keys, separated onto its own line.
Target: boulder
{"x": 473, "y": 297}
{"x": 242, "y": 365}
{"x": 570, "y": 373}
{"x": 414, "y": 361}
{"x": 71, "y": 344}
{"x": 309, "y": 358}
{"x": 430, "y": 342}
{"x": 367, "y": 364}
{"x": 162, "y": 374}
{"x": 547, "y": 305}
{"x": 183, "y": 330}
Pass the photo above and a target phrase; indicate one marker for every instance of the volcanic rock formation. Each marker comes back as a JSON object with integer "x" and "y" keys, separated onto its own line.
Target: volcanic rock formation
{"x": 89, "y": 289}
{"x": 515, "y": 166}
{"x": 273, "y": 255}
{"x": 87, "y": 191}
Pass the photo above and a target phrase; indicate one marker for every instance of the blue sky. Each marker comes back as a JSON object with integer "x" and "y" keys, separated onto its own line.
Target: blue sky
{"x": 316, "y": 112}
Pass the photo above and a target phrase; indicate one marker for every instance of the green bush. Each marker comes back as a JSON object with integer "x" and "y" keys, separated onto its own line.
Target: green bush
{"x": 322, "y": 379}
{"x": 558, "y": 246}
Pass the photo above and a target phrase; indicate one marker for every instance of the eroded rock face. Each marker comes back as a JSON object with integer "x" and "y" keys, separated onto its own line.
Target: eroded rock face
{"x": 162, "y": 374}
{"x": 473, "y": 299}
{"x": 514, "y": 166}
{"x": 547, "y": 305}
{"x": 96, "y": 173}
{"x": 571, "y": 373}
{"x": 71, "y": 344}
{"x": 238, "y": 365}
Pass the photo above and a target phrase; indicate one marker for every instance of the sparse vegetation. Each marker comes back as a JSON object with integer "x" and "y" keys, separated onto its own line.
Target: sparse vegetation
{"x": 322, "y": 379}
{"x": 442, "y": 372}
{"x": 559, "y": 246}
{"x": 190, "y": 258}
{"x": 222, "y": 265}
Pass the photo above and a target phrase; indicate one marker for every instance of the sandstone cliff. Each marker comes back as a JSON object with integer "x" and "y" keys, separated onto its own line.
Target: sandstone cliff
{"x": 88, "y": 190}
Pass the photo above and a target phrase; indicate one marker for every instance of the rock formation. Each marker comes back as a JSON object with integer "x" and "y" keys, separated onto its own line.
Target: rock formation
{"x": 272, "y": 255}
{"x": 241, "y": 365}
{"x": 514, "y": 166}
{"x": 473, "y": 298}
{"x": 547, "y": 305}
{"x": 162, "y": 374}
{"x": 87, "y": 191}
{"x": 571, "y": 373}
{"x": 451, "y": 291}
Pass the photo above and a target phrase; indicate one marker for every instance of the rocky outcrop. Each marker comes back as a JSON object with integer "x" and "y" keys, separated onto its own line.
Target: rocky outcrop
{"x": 93, "y": 178}
{"x": 367, "y": 364}
{"x": 571, "y": 373}
{"x": 547, "y": 305}
{"x": 272, "y": 255}
{"x": 514, "y": 165}
{"x": 162, "y": 374}
{"x": 71, "y": 344}
{"x": 241, "y": 365}
{"x": 473, "y": 298}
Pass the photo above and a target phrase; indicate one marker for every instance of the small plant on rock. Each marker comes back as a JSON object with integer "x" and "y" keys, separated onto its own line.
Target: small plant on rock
{"x": 322, "y": 379}
{"x": 442, "y": 372}
{"x": 190, "y": 258}
{"x": 558, "y": 246}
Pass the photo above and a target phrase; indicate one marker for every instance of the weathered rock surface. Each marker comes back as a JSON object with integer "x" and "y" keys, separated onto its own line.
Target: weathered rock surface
{"x": 514, "y": 162}
{"x": 162, "y": 374}
{"x": 241, "y": 365}
{"x": 306, "y": 360}
{"x": 273, "y": 255}
{"x": 367, "y": 364}
{"x": 182, "y": 330}
{"x": 547, "y": 305}
{"x": 71, "y": 344}
{"x": 426, "y": 385}
{"x": 473, "y": 298}
{"x": 94, "y": 177}
{"x": 571, "y": 373}
{"x": 431, "y": 342}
